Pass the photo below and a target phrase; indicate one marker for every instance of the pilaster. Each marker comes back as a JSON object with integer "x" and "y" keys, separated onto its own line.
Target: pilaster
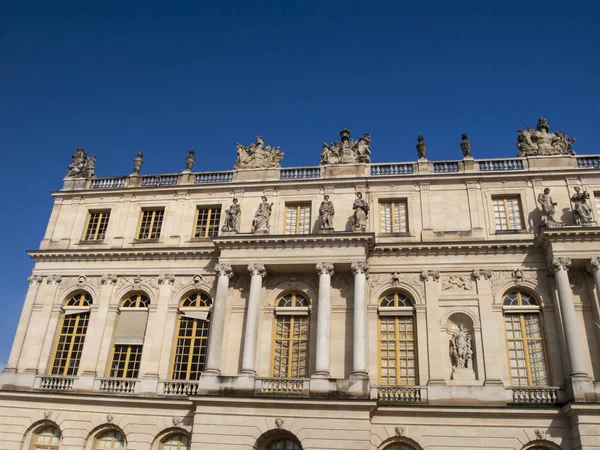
{"x": 436, "y": 355}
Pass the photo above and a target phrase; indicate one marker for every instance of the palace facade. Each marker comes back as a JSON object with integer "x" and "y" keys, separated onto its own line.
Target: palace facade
{"x": 351, "y": 305}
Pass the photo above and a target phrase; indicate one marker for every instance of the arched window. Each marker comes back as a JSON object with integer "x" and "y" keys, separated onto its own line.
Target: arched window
{"x": 191, "y": 339}
{"x": 397, "y": 340}
{"x": 290, "y": 336}
{"x": 285, "y": 444}
{"x": 176, "y": 441}
{"x": 525, "y": 340}
{"x": 129, "y": 337}
{"x": 399, "y": 446}
{"x": 109, "y": 439}
{"x": 71, "y": 335}
{"x": 46, "y": 438}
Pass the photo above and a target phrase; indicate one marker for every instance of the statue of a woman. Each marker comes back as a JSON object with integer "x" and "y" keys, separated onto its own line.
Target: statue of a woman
{"x": 262, "y": 216}
{"x": 326, "y": 212}
{"x": 461, "y": 349}
{"x": 361, "y": 212}
{"x": 581, "y": 210}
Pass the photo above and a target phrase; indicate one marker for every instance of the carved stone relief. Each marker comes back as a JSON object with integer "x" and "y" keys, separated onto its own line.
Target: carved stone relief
{"x": 457, "y": 283}
{"x": 396, "y": 279}
{"x": 537, "y": 277}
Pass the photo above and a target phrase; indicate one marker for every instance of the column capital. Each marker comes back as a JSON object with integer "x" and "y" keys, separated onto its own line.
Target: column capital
{"x": 561, "y": 263}
{"x": 484, "y": 274}
{"x": 34, "y": 278}
{"x": 433, "y": 275}
{"x": 257, "y": 269}
{"x": 166, "y": 278}
{"x": 224, "y": 269}
{"x": 325, "y": 268}
{"x": 593, "y": 264}
{"x": 359, "y": 267}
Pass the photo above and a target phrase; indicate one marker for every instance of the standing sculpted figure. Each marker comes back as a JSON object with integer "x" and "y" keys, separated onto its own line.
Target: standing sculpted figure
{"x": 581, "y": 210}
{"x": 548, "y": 207}
{"x": 232, "y": 217}
{"x": 361, "y": 212}
{"x": 326, "y": 212}
{"x": 262, "y": 216}
{"x": 137, "y": 163}
{"x": 461, "y": 349}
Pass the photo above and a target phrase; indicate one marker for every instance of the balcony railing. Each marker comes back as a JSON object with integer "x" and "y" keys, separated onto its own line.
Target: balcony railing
{"x": 496, "y": 165}
{"x": 446, "y": 167}
{"x": 108, "y": 183}
{"x": 178, "y": 387}
{"x": 378, "y": 170}
{"x": 401, "y": 394}
{"x": 56, "y": 383}
{"x": 296, "y": 173}
{"x": 534, "y": 395}
{"x": 588, "y": 162}
{"x": 281, "y": 386}
{"x": 118, "y": 385}
{"x": 159, "y": 180}
{"x": 213, "y": 177}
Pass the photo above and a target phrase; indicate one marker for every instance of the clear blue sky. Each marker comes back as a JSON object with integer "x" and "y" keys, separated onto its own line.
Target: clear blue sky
{"x": 117, "y": 77}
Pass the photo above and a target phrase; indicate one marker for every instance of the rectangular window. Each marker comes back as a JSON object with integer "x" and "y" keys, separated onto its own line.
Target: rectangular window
{"x": 97, "y": 223}
{"x": 126, "y": 361}
{"x": 290, "y": 350}
{"x": 526, "y": 353}
{"x": 151, "y": 223}
{"x": 297, "y": 218}
{"x": 597, "y": 199}
{"x": 190, "y": 349}
{"x": 507, "y": 213}
{"x": 70, "y": 344}
{"x": 397, "y": 351}
{"x": 207, "y": 221}
{"x": 392, "y": 216}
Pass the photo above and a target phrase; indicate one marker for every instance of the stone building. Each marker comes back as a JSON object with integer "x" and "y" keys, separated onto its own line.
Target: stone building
{"x": 352, "y": 305}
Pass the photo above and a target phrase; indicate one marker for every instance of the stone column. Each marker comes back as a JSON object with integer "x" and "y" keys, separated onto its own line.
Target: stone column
{"x": 325, "y": 270}
{"x": 252, "y": 312}
{"x": 437, "y": 356}
{"x": 492, "y": 345}
{"x": 593, "y": 266}
{"x": 217, "y": 322}
{"x": 15, "y": 353}
{"x": 359, "y": 360}
{"x": 52, "y": 311}
{"x": 565, "y": 297}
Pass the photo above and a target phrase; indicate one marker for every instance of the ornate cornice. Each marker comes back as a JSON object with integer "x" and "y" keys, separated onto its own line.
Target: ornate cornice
{"x": 293, "y": 241}
{"x": 155, "y": 253}
{"x": 466, "y": 247}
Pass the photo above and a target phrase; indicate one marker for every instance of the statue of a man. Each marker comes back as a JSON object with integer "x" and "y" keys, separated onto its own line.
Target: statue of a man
{"x": 361, "y": 213}
{"x": 190, "y": 159}
{"x": 137, "y": 163}
{"x": 232, "y": 217}
{"x": 461, "y": 349}
{"x": 262, "y": 216}
{"x": 581, "y": 210}
{"x": 326, "y": 212}
{"x": 547, "y": 206}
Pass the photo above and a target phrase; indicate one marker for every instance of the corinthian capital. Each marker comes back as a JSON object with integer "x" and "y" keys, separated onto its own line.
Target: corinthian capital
{"x": 479, "y": 274}
{"x": 562, "y": 263}
{"x": 359, "y": 267}
{"x": 325, "y": 268}
{"x": 432, "y": 275}
{"x": 593, "y": 264}
{"x": 224, "y": 270}
{"x": 33, "y": 278}
{"x": 257, "y": 269}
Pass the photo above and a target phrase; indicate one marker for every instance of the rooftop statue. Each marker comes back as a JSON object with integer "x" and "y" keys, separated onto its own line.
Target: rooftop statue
{"x": 421, "y": 147}
{"x": 256, "y": 156}
{"x": 347, "y": 151}
{"x": 540, "y": 142}
{"x": 82, "y": 165}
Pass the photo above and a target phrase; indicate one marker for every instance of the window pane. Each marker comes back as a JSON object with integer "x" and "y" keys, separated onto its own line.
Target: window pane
{"x": 190, "y": 349}
{"x": 97, "y": 225}
{"x": 507, "y": 213}
{"x": 207, "y": 224}
{"x": 151, "y": 224}
{"x": 70, "y": 344}
{"x": 297, "y": 219}
{"x": 397, "y": 358}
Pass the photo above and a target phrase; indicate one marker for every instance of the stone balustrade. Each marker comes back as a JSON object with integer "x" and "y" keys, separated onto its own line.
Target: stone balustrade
{"x": 117, "y": 385}
{"x": 178, "y": 387}
{"x": 281, "y": 386}
{"x": 535, "y": 395}
{"x": 378, "y": 170}
{"x": 400, "y": 394}
{"x": 55, "y": 383}
{"x": 296, "y": 173}
{"x": 316, "y": 172}
{"x": 213, "y": 177}
{"x": 497, "y": 165}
